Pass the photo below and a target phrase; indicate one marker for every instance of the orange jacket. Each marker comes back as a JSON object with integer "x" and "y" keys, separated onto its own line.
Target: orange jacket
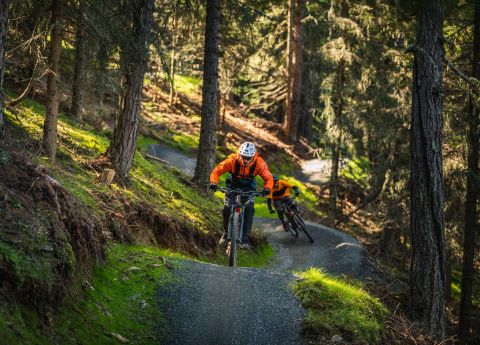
{"x": 233, "y": 164}
{"x": 280, "y": 192}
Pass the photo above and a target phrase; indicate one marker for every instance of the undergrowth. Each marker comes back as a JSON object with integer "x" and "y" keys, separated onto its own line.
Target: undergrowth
{"x": 336, "y": 306}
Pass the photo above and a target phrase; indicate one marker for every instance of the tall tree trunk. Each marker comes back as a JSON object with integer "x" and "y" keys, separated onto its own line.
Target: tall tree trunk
{"x": 427, "y": 267}
{"x": 135, "y": 59}
{"x": 49, "y": 142}
{"x": 338, "y": 103}
{"x": 3, "y": 35}
{"x": 471, "y": 223}
{"x": 332, "y": 199}
{"x": 206, "y": 150}
{"x": 290, "y": 23}
{"x": 171, "y": 99}
{"x": 291, "y": 120}
{"x": 79, "y": 72}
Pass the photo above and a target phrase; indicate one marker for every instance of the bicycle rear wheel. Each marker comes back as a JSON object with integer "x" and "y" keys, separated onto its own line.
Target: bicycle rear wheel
{"x": 302, "y": 226}
{"x": 232, "y": 260}
{"x": 294, "y": 229}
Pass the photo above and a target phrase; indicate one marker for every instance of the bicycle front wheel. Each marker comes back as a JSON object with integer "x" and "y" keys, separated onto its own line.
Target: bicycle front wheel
{"x": 302, "y": 226}
{"x": 232, "y": 260}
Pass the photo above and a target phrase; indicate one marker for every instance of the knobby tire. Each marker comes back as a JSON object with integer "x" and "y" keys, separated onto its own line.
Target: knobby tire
{"x": 302, "y": 226}
{"x": 232, "y": 262}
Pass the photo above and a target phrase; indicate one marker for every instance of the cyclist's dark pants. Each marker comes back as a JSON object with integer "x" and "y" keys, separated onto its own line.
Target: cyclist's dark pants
{"x": 280, "y": 205}
{"x": 248, "y": 213}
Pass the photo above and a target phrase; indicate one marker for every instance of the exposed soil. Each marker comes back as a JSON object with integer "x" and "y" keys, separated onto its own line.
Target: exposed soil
{"x": 42, "y": 223}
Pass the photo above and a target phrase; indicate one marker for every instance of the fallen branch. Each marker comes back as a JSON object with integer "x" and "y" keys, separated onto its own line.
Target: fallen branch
{"x": 149, "y": 156}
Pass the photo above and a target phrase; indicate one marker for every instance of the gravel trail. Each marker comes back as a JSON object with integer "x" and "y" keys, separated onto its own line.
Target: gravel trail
{"x": 333, "y": 251}
{"x": 213, "y": 304}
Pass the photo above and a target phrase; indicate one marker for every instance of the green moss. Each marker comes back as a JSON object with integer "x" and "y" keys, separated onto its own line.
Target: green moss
{"x": 21, "y": 325}
{"x": 121, "y": 299}
{"x": 339, "y": 307}
{"x": 27, "y": 266}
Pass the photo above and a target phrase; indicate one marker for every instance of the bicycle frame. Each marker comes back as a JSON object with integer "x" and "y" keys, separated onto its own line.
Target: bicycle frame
{"x": 293, "y": 215}
{"x": 235, "y": 224}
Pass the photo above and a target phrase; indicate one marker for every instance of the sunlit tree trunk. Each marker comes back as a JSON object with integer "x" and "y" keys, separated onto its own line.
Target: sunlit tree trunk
{"x": 292, "y": 116}
{"x": 171, "y": 98}
{"x": 134, "y": 60}
{"x": 338, "y": 104}
{"x": 3, "y": 35}
{"x": 79, "y": 72}
{"x": 427, "y": 268}
{"x": 290, "y": 23}
{"x": 49, "y": 142}
{"x": 471, "y": 222}
{"x": 206, "y": 150}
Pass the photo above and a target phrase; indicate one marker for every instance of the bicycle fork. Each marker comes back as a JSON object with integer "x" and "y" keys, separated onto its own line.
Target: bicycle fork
{"x": 239, "y": 211}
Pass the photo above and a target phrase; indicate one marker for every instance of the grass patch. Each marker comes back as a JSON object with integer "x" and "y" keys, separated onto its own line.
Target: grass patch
{"x": 357, "y": 170}
{"x": 335, "y": 306}
{"x": 121, "y": 299}
{"x": 186, "y": 143}
{"x": 188, "y": 85}
{"x": 261, "y": 256}
{"x": 151, "y": 182}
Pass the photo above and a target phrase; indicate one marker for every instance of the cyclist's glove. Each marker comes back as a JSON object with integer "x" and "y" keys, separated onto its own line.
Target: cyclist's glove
{"x": 213, "y": 187}
{"x": 295, "y": 190}
{"x": 269, "y": 204}
{"x": 266, "y": 191}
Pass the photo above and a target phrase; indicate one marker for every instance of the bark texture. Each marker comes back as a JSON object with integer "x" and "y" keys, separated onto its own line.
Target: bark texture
{"x": 427, "y": 268}
{"x": 290, "y": 23}
{"x": 135, "y": 59}
{"x": 80, "y": 63}
{"x": 206, "y": 150}
{"x": 471, "y": 223}
{"x": 293, "y": 114}
{"x": 49, "y": 143}
{"x": 171, "y": 98}
{"x": 3, "y": 35}
{"x": 338, "y": 104}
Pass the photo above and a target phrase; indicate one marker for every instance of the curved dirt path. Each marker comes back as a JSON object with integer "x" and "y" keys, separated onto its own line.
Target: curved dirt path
{"x": 333, "y": 251}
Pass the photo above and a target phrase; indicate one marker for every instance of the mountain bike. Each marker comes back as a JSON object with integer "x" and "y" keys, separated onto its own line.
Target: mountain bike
{"x": 240, "y": 200}
{"x": 293, "y": 216}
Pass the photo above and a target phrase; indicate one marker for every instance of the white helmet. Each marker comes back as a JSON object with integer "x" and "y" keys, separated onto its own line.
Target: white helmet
{"x": 247, "y": 150}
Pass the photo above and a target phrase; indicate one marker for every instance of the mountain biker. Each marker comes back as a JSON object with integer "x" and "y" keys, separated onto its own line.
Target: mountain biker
{"x": 243, "y": 167}
{"x": 280, "y": 195}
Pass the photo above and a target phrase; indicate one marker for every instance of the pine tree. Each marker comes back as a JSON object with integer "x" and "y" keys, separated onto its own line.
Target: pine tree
{"x": 134, "y": 59}
{"x": 49, "y": 142}
{"x": 427, "y": 269}
{"x": 206, "y": 149}
{"x": 471, "y": 222}
{"x": 3, "y": 36}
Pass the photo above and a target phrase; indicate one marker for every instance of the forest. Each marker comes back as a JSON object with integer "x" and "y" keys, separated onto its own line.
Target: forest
{"x": 96, "y": 224}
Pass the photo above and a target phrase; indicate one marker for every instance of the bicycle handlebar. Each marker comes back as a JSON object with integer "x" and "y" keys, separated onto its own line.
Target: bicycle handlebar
{"x": 240, "y": 192}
